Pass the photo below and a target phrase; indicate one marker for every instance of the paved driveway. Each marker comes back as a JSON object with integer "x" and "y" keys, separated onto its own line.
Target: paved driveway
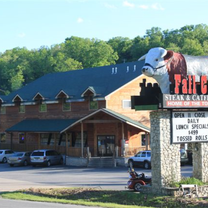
{"x": 14, "y": 178}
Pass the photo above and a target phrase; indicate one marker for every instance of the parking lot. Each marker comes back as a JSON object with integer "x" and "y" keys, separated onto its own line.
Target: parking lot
{"x": 14, "y": 178}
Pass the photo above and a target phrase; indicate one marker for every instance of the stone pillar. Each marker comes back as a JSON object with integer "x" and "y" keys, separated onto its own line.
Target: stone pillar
{"x": 200, "y": 161}
{"x": 165, "y": 157}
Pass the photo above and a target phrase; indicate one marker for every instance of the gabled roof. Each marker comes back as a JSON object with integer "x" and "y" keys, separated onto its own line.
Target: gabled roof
{"x": 114, "y": 114}
{"x": 104, "y": 80}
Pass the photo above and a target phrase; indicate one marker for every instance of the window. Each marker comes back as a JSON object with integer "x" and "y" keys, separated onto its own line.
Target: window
{"x": 3, "y": 110}
{"x": 44, "y": 139}
{"x": 22, "y": 109}
{"x": 143, "y": 140}
{"x": 76, "y": 141}
{"x": 43, "y": 108}
{"x": 61, "y": 139}
{"x": 47, "y": 139}
{"x": 66, "y": 106}
{"x": 126, "y": 103}
{"x": 22, "y": 138}
{"x": 93, "y": 105}
{"x": 2, "y": 137}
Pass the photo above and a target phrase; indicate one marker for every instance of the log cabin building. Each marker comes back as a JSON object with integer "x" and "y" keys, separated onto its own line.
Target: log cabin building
{"x": 81, "y": 113}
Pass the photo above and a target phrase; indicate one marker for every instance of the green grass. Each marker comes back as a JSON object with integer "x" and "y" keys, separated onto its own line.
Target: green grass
{"x": 97, "y": 197}
{"x": 188, "y": 180}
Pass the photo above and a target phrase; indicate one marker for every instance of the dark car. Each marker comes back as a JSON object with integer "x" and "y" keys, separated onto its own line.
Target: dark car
{"x": 46, "y": 157}
{"x": 186, "y": 157}
{"x": 19, "y": 158}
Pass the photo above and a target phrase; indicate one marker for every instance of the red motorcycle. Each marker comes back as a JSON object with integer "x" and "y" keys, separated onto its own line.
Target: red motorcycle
{"x": 136, "y": 180}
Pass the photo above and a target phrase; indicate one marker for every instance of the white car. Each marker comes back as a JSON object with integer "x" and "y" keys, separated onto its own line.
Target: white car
{"x": 4, "y": 154}
{"x": 142, "y": 158}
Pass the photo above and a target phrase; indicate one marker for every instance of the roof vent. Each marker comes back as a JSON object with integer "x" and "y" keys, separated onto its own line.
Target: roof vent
{"x": 115, "y": 70}
{"x": 112, "y": 71}
{"x": 134, "y": 68}
{"x": 127, "y": 69}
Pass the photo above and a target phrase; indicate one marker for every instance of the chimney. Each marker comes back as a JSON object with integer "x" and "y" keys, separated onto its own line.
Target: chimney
{"x": 134, "y": 68}
{"x": 127, "y": 69}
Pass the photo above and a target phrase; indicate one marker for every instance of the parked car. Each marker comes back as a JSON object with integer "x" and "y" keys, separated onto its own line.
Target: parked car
{"x": 19, "y": 158}
{"x": 4, "y": 154}
{"x": 142, "y": 158}
{"x": 46, "y": 157}
{"x": 186, "y": 157}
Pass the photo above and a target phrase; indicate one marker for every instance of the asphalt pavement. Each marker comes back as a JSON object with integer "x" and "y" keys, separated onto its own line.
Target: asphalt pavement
{"x": 8, "y": 203}
{"x": 15, "y": 178}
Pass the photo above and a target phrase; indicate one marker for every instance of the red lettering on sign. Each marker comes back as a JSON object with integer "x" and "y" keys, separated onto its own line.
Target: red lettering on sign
{"x": 177, "y": 82}
{"x": 203, "y": 84}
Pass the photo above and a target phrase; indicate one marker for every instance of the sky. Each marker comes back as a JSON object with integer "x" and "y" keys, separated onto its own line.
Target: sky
{"x": 36, "y": 23}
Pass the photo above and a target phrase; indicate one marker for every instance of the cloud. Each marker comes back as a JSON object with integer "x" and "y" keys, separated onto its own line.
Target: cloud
{"x": 143, "y": 6}
{"x": 80, "y": 20}
{"x": 128, "y": 4}
{"x": 110, "y": 6}
{"x": 157, "y": 6}
{"x": 21, "y": 35}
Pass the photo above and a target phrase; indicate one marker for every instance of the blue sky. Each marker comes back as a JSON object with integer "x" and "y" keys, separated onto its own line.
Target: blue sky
{"x": 36, "y": 23}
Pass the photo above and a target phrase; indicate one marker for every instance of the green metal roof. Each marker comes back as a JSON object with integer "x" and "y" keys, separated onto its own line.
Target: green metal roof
{"x": 102, "y": 80}
{"x": 41, "y": 125}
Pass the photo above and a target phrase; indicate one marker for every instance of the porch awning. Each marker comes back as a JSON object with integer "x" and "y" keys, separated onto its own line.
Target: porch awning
{"x": 41, "y": 125}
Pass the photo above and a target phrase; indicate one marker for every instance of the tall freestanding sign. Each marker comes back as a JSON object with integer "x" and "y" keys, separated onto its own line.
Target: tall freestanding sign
{"x": 181, "y": 113}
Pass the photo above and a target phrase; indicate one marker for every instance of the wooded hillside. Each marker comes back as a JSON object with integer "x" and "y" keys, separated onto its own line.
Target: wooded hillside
{"x": 20, "y": 66}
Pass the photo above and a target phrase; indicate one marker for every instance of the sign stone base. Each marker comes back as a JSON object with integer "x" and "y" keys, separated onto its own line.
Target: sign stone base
{"x": 200, "y": 161}
{"x": 165, "y": 157}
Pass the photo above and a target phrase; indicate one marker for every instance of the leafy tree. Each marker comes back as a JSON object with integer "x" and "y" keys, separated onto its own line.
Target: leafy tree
{"x": 90, "y": 53}
{"x": 17, "y": 81}
{"x": 192, "y": 47}
{"x": 123, "y": 48}
{"x": 20, "y": 66}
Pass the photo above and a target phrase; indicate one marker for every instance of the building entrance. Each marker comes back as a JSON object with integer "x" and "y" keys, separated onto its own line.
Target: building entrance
{"x": 106, "y": 145}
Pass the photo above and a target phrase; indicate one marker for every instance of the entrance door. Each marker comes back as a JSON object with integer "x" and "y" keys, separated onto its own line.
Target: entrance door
{"x": 105, "y": 145}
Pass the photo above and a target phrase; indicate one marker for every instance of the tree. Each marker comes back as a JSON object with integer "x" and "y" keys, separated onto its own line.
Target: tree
{"x": 122, "y": 46}
{"x": 192, "y": 47}
{"x": 90, "y": 53}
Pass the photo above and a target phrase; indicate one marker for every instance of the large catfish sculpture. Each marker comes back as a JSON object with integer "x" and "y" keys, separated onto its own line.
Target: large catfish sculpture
{"x": 162, "y": 64}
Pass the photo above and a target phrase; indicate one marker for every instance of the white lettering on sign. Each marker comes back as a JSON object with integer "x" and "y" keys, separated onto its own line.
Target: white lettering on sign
{"x": 189, "y": 127}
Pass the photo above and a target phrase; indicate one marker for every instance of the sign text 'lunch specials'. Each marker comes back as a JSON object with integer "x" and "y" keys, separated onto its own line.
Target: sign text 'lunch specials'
{"x": 189, "y": 127}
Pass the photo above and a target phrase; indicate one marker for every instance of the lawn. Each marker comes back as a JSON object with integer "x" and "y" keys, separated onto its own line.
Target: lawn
{"x": 103, "y": 198}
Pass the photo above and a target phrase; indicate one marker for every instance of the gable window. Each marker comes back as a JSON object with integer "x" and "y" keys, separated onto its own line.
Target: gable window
{"x": 21, "y": 138}
{"x": 2, "y": 137}
{"x": 43, "y": 108}
{"x": 3, "y": 110}
{"x": 22, "y": 109}
{"x": 126, "y": 103}
{"x": 66, "y": 106}
{"x": 93, "y": 105}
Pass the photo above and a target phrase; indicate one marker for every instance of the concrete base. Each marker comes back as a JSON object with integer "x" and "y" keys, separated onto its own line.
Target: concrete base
{"x": 76, "y": 161}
